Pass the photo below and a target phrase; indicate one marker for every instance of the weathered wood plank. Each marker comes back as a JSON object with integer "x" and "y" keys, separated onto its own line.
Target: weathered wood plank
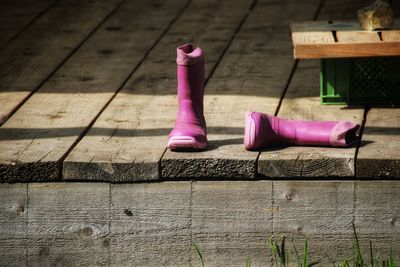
{"x": 32, "y": 57}
{"x": 13, "y": 223}
{"x": 311, "y": 32}
{"x": 377, "y": 209}
{"x": 151, "y": 224}
{"x": 391, "y": 36}
{"x": 252, "y": 75}
{"x": 38, "y": 136}
{"x": 319, "y": 211}
{"x": 302, "y": 102}
{"x": 68, "y": 224}
{"x": 15, "y": 16}
{"x": 232, "y": 220}
{"x": 357, "y": 37}
{"x": 379, "y": 156}
{"x": 136, "y": 123}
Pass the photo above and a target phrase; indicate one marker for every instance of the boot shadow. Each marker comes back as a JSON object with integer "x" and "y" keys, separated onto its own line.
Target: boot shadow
{"x": 215, "y": 144}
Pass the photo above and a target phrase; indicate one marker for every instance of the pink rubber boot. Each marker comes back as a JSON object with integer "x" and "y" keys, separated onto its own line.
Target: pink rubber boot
{"x": 263, "y": 130}
{"x": 190, "y": 126}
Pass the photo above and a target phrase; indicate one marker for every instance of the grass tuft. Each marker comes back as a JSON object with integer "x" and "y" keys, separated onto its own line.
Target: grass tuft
{"x": 280, "y": 254}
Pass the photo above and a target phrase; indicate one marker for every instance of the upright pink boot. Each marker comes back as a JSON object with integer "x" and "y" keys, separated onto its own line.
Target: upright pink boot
{"x": 263, "y": 130}
{"x": 190, "y": 126}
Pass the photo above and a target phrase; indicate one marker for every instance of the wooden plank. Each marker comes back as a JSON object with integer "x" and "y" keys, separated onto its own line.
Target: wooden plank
{"x": 314, "y": 37}
{"x": 319, "y": 211}
{"x": 38, "y": 136}
{"x": 151, "y": 224}
{"x": 377, "y": 208}
{"x": 252, "y": 75}
{"x": 389, "y": 36}
{"x": 379, "y": 154}
{"x": 15, "y": 16}
{"x": 68, "y": 224}
{"x": 311, "y": 32}
{"x": 44, "y": 46}
{"x": 232, "y": 221}
{"x": 128, "y": 139}
{"x": 357, "y": 37}
{"x": 13, "y": 222}
{"x": 302, "y": 102}
{"x": 347, "y": 50}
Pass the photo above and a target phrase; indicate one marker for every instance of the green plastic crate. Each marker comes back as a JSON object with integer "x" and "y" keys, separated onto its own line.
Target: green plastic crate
{"x": 359, "y": 81}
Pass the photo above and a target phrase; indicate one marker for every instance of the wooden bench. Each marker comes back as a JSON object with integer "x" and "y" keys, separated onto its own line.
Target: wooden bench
{"x": 357, "y": 67}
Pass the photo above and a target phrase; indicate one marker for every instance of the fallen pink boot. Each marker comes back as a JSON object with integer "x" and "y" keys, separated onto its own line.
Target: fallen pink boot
{"x": 190, "y": 126}
{"x": 263, "y": 130}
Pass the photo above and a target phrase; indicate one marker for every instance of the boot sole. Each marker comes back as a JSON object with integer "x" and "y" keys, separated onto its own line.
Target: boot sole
{"x": 185, "y": 143}
{"x": 249, "y": 131}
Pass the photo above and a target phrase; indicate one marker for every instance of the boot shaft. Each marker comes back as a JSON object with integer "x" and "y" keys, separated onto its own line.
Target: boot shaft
{"x": 190, "y": 72}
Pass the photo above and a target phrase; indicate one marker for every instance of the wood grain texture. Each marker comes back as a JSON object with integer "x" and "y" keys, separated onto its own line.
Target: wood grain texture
{"x": 391, "y": 36}
{"x": 232, "y": 221}
{"x": 347, "y": 50}
{"x": 36, "y": 138}
{"x": 319, "y": 211}
{"x": 251, "y": 76}
{"x": 377, "y": 209}
{"x": 311, "y": 32}
{"x": 379, "y": 157}
{"x": 35, "y": 54}
{"x": 15, "y": 16}
{"x": 302, "y": 102}
{"x": 13, "y": 224}
{"x": 151, "y": 224}
{"x": 137, "y": 122}
{"x": 68, "y": 224}
{"x": 357, "y": 37}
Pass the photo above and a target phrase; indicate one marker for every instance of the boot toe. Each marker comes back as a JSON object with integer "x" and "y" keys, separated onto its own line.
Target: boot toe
{"x": 187, "y": 138}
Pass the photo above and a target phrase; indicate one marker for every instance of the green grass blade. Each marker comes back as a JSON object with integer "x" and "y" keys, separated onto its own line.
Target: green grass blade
{"x": 199, "y": 254}
{"x": 358, "y": 257}
{"x": 273, "y": 251}
{"x": 391, "y": 262}
{"x": 305, "y": 263}
{"x": 371, "y": 255}
{"x": 248, "y": 262}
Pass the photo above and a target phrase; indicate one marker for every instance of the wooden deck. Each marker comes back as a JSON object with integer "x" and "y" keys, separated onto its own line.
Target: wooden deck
{"x": 88, "y": 92}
